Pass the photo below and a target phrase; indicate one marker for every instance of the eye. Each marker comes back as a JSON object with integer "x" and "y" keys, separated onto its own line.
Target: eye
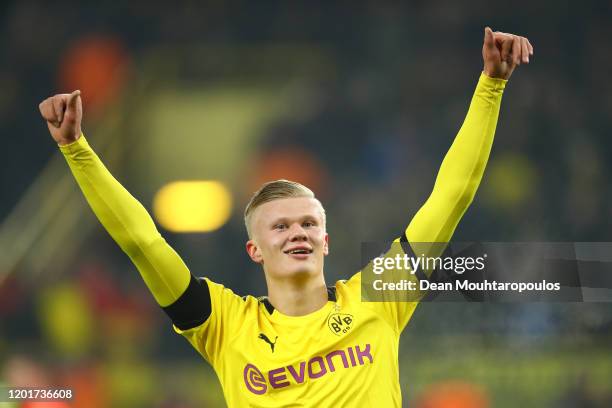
{"x": 309, "y": 224}
{"x": 280, "y": 226}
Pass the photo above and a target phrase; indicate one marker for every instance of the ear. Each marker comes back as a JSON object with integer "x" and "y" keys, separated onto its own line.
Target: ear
{"x": 254, "y": 252}
{"x": 326, "y": 244}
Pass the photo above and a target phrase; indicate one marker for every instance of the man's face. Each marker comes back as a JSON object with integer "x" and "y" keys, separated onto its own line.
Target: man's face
{"x": 289, "y": 238}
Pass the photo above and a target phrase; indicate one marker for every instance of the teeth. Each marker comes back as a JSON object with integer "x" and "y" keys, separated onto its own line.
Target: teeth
{"x": 299, "y": 251}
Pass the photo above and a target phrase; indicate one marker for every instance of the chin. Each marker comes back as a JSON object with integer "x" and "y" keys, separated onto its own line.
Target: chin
{"x": 300, "y": 272}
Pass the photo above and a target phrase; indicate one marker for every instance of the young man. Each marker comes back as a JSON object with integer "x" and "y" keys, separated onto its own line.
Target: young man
{"x": 305, "y": 344}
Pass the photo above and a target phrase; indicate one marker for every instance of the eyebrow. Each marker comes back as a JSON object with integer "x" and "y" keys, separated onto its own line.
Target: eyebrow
{"x": 298, "y": 218}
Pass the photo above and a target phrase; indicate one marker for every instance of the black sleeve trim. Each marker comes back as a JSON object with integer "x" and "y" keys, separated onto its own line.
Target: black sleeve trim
{"x": 193, "y": 307}
{"x": 405, "y": 245}
{"x": 408, "y": 251}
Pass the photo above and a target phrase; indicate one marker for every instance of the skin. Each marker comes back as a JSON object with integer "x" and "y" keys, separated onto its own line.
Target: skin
{"x": 503, "y": 52}
{"x": 296, "y": 285}
{"x": 63, "y": 113}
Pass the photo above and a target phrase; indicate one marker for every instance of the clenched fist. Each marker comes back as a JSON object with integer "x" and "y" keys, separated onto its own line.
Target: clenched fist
{"x": 63, "y": 113}
{"x": 502, "y": 52}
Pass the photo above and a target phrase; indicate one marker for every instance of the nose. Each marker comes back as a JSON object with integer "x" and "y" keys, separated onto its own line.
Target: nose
{"x": 297, "y": 233}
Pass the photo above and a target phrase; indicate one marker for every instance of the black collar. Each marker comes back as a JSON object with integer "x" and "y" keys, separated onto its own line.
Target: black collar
{"x": 331, "y": 296}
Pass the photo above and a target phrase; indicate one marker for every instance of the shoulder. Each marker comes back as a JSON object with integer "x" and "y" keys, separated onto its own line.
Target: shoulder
{"x": 225, "y": 298}
{"x": 348, "y": 289}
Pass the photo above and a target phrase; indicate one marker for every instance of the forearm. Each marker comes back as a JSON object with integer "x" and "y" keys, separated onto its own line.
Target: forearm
{"x": 128, "y": 223}
{"x": 462, "y": 169}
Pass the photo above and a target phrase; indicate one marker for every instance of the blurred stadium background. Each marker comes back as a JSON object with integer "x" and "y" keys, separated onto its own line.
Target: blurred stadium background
{"x": 359, "y": 101}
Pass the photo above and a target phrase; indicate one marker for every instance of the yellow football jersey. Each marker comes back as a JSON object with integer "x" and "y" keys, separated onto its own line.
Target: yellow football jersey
{"x": 344, "y": 354}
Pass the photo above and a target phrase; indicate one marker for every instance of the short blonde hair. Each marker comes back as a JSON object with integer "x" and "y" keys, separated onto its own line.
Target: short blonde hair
{"x": 275, "y": 190}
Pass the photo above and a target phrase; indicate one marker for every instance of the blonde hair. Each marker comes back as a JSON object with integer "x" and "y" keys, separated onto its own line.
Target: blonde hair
{"x": 275, "y": 190}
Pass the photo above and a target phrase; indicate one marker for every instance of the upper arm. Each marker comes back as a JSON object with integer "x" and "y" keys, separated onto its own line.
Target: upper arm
{"x": 211, "y": 317}
{"x": 193, "y": 307}
{"x": 162, "y": 269}
{"x": 438, "y": 218}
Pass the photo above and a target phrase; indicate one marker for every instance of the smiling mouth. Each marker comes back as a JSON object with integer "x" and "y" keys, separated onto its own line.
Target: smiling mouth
{"x": 301, "y": 251}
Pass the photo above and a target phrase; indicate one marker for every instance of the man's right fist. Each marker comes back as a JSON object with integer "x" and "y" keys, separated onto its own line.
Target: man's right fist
{"x": 63, "y": 113}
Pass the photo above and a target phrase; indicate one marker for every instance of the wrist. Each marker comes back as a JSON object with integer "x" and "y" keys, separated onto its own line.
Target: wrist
{"x": 67, "y": 142}
{"x": 494, "y": 75}
{"x": 63, "y": 141}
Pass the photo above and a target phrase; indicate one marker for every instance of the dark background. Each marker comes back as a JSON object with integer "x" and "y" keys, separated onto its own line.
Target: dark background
{"x": 358, "y": 100}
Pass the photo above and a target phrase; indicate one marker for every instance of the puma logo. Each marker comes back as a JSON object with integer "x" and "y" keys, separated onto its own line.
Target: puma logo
{"x": 267, "y": 340}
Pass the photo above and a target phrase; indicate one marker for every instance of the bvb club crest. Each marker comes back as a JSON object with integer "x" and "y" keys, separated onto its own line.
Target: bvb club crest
{"x": 340, "y": 323}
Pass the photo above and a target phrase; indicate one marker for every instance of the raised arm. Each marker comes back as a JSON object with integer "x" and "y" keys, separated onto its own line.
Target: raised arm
{"x": 462, "y": 168}
{"x": 457, "y": 180}
{"x": 122, "y": 215}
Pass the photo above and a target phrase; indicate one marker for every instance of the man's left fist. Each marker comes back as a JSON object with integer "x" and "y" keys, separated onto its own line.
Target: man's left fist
{"x": 502, "y": 52}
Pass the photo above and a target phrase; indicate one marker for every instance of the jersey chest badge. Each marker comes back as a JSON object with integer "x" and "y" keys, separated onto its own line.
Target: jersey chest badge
{"x": 340, "y": 323}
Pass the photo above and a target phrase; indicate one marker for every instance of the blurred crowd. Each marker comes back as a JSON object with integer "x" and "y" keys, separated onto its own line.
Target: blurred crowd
{"x": 378, "y": 90}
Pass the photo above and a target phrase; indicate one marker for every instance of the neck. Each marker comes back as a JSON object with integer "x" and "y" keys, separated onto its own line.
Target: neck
{"x": 297, "y": 297}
